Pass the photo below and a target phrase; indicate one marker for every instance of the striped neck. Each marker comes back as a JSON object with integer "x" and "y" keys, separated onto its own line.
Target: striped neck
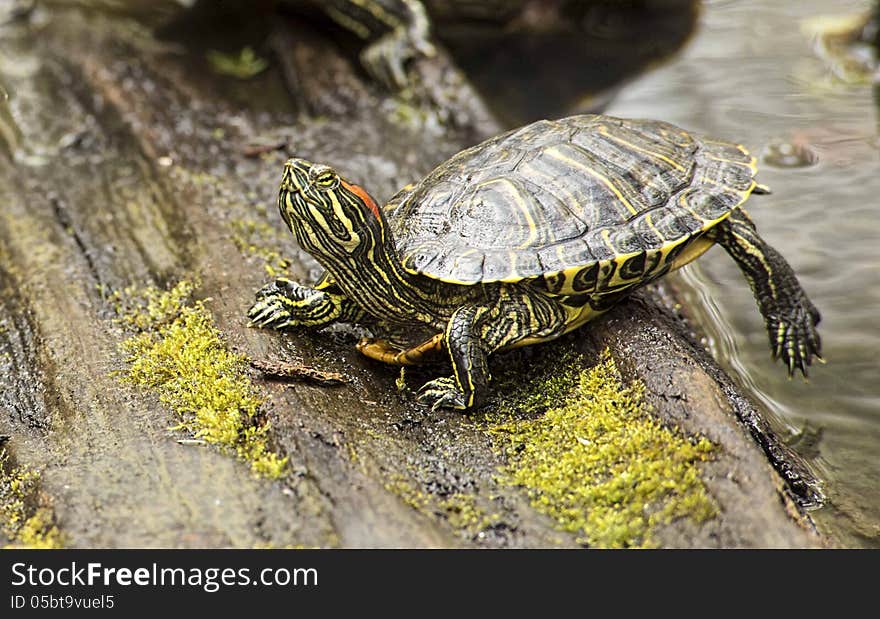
{"x": 372, "y": 276}
{"x": 343, "y": 228}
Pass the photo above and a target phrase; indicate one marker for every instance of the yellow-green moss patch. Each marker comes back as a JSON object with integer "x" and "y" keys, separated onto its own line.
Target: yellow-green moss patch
{"x": 409, "y": 494}
{"x": 243, "y": 65}
{"x": 25, "y": 518}
{"x": 598, "y": 462}
{"x": 460, "y": 510}
{"x": 839, "y": 40}
{"x": 464, "y": 514}
{"x": 259, "y": 239}
{"x": 179, "y": 353}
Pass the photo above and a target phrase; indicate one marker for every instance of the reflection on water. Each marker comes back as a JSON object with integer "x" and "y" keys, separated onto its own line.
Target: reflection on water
{"x": 751, "y": 75}
{"x": 846, "y": 43}
{"x": 570, "y": 56}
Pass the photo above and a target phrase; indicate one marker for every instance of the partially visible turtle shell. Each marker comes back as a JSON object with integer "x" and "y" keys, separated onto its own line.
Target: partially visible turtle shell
{"x": 556, "y": 198}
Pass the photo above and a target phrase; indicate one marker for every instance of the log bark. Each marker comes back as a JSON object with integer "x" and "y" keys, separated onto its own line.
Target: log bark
{"x": 145, "y": 171}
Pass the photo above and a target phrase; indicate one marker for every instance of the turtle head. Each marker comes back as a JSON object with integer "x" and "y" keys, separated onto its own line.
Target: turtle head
{"x": 327, "y": 214}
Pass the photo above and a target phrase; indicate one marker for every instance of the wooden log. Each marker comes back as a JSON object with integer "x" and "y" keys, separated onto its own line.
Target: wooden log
{"x": 153, "y": 183}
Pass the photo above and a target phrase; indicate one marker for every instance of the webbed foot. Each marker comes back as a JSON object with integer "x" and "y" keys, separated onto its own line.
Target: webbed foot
{"x": 442, "y": 393}
{"x": 794, "y": 338}
{"x": 276, "y": 303}
{"x": 271, "y": 313}
{"x": 790, "y": 317}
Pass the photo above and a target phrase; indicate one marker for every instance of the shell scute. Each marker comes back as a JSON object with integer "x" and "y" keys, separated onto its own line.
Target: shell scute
{"x": 563, "y": 200}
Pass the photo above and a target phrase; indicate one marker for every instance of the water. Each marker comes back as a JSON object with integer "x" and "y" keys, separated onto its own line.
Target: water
{"x": 751, "y": 75}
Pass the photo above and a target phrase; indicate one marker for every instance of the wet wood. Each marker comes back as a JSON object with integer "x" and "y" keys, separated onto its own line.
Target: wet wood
{"x": 149, "y": 193}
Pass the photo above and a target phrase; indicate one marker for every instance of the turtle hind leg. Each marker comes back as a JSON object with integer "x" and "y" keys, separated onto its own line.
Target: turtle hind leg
{"x": 476, "y": 331}
{"x": 790, "y": 316}
{"x": 384, "y": 351}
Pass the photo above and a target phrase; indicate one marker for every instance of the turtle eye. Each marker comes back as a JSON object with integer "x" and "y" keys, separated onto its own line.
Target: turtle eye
{"x": 327, "y": 180}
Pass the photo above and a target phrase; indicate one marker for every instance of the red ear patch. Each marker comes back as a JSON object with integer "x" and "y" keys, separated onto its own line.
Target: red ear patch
{"x": 361, "y": 193}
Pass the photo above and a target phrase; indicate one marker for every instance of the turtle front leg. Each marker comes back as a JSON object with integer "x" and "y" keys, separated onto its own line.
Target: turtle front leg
{"x": 476, "y": 331}
{"x": 285, "y": 304}
{"x": 790, "y": 316}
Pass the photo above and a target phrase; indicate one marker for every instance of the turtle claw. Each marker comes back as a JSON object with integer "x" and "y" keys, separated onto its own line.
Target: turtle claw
{"x": 276, "y": 305}
{"x": 281, "y": 286}
{"x": 442, "y": 393}
{"x": 794, "y": 339}
{"x": 270, "y": 313}
{"x": 271, "y": 309}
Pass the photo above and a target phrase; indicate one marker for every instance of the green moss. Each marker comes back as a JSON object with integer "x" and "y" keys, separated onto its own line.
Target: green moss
{"x": 463, "y": 513}
{"x": 553, "y": 378}
{"x": 409, "y": 494}
{"x": 460, "y": 510}
{"x": 244, "y": 65}
{"x": 400, "y": 381}
{"x": 179, "y": 353}
{"x": 25, "y": 518}
{"x": 597, "y": 461}
{"x": 39, "y": 533}
{"x": 148, "y": 309}
{"x": 260, "y": 240}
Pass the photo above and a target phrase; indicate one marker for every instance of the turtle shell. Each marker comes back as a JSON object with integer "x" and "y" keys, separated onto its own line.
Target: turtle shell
{"x": 567, "y": 200}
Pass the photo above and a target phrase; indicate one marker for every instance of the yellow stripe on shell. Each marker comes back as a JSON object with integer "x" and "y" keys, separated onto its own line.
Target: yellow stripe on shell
{"x": 604, "y": 131}
{"x": 753, "y": 161}
{"x": 555, "y": 154}
{"x": 567, "y": 275}
{"x": 512, "y": 191}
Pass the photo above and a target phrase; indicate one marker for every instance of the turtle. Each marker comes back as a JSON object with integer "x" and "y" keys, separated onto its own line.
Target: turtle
{"x": 496, "y": 44}
{"x": 522, "y": 238}
{"x": 396, "y": 32}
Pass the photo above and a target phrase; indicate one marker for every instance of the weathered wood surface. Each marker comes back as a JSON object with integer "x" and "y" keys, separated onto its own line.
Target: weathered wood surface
{"x": 106, "y": 109}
